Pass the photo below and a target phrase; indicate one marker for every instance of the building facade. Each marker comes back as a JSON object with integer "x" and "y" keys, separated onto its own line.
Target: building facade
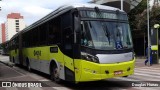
{"x": 2, "y": 33}
{"x": 15, "y": 23}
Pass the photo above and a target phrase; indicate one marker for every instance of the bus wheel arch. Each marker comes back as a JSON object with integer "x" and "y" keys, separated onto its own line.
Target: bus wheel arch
{"x": 54, "y": 71}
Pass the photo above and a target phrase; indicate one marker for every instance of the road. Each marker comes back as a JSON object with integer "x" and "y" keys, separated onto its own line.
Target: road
{"x": 143, "y": 75}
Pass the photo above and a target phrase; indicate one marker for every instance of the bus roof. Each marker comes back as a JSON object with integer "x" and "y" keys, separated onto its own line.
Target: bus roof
{"x": 65, "y": 8}
{"x": 86, "y": 5}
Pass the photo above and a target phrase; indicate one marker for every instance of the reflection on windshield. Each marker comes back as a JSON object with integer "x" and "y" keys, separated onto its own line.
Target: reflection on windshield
{"x": 94, "y": 36}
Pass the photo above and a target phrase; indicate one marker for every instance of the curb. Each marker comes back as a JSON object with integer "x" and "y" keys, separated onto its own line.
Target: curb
{"x": 10, "y": 64}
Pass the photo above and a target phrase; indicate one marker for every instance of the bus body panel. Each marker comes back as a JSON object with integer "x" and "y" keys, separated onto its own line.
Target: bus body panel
{"x": 14, "y": 54}
{"x": 122, "y": 57}
{"x": 41, "y": 57}
{"x": 78, "y": 69}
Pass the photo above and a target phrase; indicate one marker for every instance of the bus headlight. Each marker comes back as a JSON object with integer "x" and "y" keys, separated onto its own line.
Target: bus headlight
{"x": 89, "y": 57}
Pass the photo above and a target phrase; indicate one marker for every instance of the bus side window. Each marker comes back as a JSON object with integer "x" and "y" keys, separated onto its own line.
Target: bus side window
{"x": 54, "y": 34}
{"x": 68, "y": 38}
{"x": 43, "y": 34}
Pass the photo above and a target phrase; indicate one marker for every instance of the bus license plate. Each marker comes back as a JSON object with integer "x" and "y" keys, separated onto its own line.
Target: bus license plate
{"x": 118, "y": 72}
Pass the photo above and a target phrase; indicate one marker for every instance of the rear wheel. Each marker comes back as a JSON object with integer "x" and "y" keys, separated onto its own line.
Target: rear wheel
{"x": 55, "y": 74}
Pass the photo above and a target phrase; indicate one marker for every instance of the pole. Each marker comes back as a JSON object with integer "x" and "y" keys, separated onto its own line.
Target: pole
{"x": 148, "y": 34}
{"x": 121, "y": 4}
{"x": 144, "y": 45}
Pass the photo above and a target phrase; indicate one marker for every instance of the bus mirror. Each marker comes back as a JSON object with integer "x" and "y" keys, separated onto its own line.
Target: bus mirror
{"x": 77, "y": 24}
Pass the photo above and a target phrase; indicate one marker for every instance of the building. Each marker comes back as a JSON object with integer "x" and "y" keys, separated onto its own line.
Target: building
{"x": 2, "y": 33}
{"x": 15, "y": 23}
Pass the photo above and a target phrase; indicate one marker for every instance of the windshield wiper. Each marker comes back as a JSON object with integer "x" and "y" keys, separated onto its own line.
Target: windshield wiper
{"x": 104, "y": 26}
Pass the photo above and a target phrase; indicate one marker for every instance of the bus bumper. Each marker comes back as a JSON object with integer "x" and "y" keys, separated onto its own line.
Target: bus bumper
{"x": 93, "y": 71}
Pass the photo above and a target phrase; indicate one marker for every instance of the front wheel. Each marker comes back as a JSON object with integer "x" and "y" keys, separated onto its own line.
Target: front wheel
{"x": 55, "y": 74}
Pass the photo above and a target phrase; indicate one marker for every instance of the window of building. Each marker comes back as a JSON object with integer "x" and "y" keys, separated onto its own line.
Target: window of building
{"x": 17, "y": 23}
{"x": 17, "y": 29}
{"x": 17, "y": 20}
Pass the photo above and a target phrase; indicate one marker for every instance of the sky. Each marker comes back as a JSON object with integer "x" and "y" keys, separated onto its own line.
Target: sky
{"x": 32, "y": 10}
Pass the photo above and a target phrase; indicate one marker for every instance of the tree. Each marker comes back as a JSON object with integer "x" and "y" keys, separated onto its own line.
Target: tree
{"x": 138, "y": 16}
{"x": 134, "y": 14}
{"x": 155, "y": 15}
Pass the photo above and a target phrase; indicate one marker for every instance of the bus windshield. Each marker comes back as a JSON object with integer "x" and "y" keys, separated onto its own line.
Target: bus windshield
{"x": 105, "y": 35}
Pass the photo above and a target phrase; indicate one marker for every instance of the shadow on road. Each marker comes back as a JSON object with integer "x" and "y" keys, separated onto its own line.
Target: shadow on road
{"x": 94, "y": 85}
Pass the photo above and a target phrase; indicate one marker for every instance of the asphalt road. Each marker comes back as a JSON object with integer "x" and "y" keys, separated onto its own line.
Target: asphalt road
{"x": 143, "y": 75}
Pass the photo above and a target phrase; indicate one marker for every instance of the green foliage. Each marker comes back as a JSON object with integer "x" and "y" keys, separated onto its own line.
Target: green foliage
{"x": 134, "y": 13}
{"x": 138, "y": 16}
{"x": 155, "y": 15}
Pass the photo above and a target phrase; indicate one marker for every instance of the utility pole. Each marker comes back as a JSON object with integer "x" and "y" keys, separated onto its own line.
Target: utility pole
{"x": 148, "y": 33}
{"x": 121, "y": 4}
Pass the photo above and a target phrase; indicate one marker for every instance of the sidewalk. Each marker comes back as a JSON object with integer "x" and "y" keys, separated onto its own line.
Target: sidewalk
{"x": 140, "y": 63}
{"x": 5, "y": 60}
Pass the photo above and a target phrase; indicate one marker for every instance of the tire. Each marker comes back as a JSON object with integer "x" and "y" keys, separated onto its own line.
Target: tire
{"x": 55, "y": 74}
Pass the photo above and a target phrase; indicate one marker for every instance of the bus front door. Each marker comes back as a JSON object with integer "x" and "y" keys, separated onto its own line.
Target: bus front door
{"x": 68, "y": 54}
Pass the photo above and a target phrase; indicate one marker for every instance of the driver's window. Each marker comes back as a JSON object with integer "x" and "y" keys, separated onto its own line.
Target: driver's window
{"x": 83, "y": 35}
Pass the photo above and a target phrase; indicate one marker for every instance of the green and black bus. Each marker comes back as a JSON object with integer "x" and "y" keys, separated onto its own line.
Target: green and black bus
{"x": 77, "y": 42}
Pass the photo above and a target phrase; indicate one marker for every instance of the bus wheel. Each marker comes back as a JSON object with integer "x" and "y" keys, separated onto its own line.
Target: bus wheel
{"x": 55, "y": 74}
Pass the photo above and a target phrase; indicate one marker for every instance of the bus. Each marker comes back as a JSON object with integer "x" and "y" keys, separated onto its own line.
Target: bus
{"x": 77, "y": 42}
